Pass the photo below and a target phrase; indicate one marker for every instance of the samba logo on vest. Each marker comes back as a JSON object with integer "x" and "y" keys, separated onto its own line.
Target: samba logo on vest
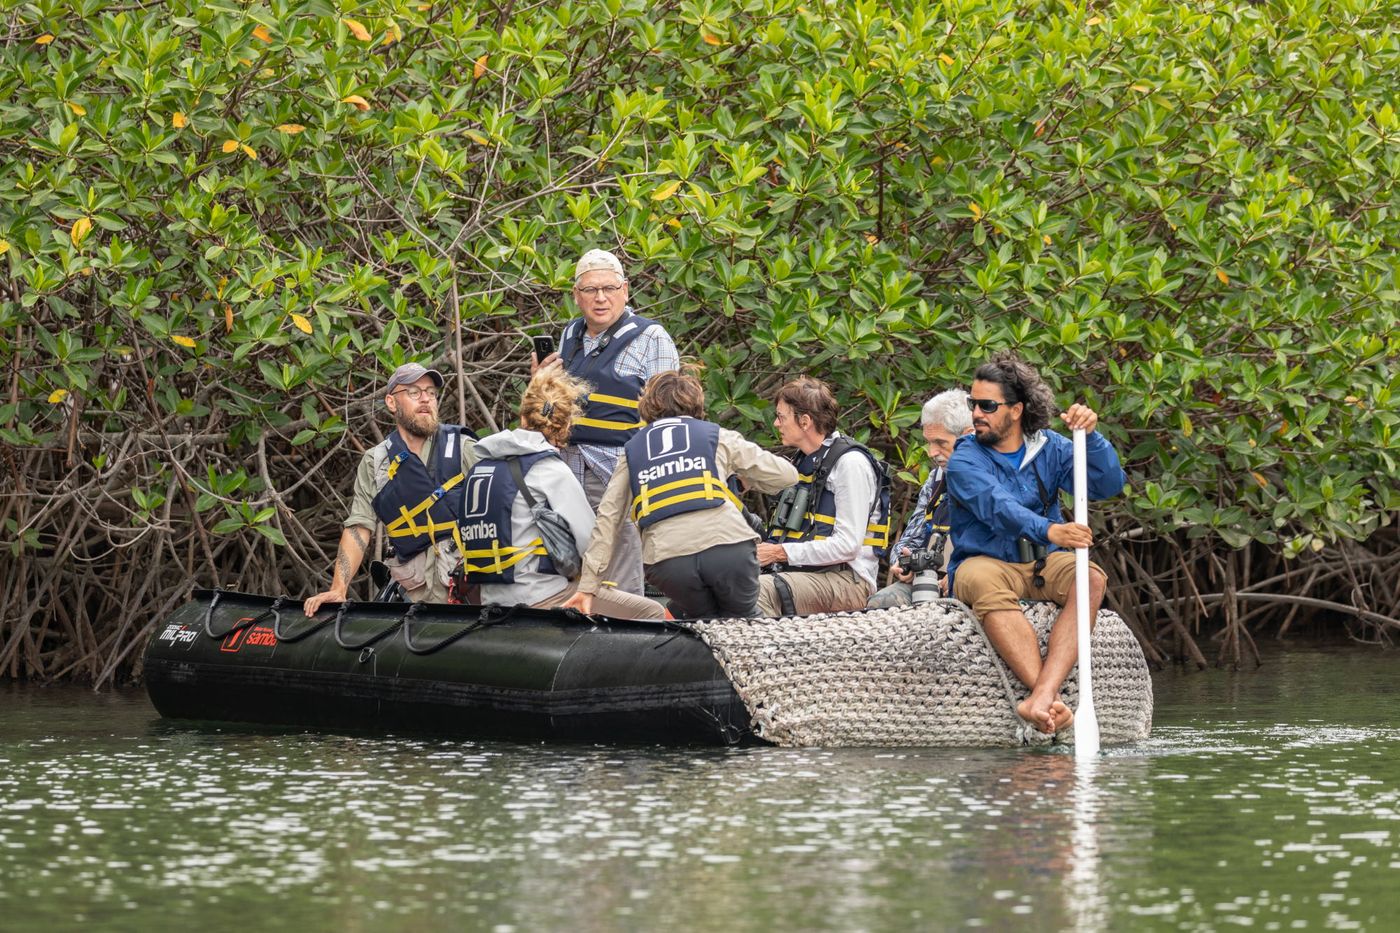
{"x": 476, "y": 504}
{"x": 478, "y": 494}
{"x": 667, "y": 439}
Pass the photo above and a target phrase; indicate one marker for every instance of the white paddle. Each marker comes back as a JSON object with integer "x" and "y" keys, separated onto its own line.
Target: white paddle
{"x": 1086, "y": 724}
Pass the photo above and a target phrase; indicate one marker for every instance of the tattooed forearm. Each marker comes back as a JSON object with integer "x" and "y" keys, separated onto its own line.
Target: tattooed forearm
{"x": 342, "y": 566}
{"x": 353, "y": 545}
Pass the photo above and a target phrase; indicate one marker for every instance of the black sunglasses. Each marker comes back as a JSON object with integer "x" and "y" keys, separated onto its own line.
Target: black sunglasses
{"x": 986, "y": 404}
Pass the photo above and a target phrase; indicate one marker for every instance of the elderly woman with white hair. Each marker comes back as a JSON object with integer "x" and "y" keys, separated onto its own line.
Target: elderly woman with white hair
{"x": 945, "y": 418}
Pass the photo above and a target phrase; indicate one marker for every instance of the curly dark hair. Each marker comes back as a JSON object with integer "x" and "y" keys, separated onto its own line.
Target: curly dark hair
{"x": 1020, "y": 383}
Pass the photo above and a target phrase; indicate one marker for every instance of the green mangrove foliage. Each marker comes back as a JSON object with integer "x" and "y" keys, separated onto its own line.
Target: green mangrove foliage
{"x": 221, "y": 222}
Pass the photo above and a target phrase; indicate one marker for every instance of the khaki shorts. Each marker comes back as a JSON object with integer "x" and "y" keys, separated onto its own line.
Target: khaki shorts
{"x": 990, "y": 585}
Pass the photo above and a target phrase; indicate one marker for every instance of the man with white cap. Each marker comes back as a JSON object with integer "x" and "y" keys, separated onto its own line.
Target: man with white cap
{"x": 615, "y": 350}
{"x": 404, "y": 484}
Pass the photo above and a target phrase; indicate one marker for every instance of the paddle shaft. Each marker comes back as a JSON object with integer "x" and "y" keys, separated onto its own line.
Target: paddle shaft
{"x": 1086, "y": 723}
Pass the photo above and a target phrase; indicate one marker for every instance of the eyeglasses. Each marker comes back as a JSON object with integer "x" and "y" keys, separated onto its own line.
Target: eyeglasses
{"x": 985, "y": 404}
{"x": 413, "y": 393}
{"x": 591, "y": 290}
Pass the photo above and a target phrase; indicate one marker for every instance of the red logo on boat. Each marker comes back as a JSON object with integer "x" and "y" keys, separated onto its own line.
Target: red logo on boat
{"x": 236, "y": 639}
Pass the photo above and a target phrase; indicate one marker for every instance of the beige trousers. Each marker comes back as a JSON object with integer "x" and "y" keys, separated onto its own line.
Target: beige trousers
{"x": 830, "y": 591}
{"x": 610, "y": 601}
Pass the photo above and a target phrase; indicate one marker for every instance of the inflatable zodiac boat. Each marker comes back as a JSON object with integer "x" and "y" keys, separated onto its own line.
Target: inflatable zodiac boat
{"x": 917, "y": 676}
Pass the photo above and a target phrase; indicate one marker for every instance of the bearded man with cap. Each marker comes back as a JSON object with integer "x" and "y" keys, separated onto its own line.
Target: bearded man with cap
{"x": 615, "y": 350}
{"x": 405, "y": 484}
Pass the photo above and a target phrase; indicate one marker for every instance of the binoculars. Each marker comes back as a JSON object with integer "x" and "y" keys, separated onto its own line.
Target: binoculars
{"x": 791, "y": 510}
{"x": 1028, "y": 551}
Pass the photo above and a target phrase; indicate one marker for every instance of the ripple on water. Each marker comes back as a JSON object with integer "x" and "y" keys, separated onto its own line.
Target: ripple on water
{"x": 1212, "y": 822}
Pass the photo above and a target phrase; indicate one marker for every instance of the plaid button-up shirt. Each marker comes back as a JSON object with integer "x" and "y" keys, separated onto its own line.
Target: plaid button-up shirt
{"x": 652, "y": 352}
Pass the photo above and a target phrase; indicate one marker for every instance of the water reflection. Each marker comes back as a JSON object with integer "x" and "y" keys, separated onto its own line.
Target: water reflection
{"x": 113, "y": 817}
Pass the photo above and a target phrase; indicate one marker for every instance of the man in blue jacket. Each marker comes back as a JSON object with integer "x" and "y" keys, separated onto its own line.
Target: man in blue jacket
{"x": 1010, "y": 540}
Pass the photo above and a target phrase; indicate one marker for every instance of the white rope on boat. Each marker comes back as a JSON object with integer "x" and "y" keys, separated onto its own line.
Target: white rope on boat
{"x": 913, "y": 676}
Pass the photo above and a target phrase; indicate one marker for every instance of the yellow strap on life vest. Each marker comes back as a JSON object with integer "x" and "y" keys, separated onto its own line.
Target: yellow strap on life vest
{"x": 407, "y": 525}
{"x": 709, "y": 487}
{"x": 502, "y": 558}
{"x": 877, "y": 535}
{"x": 394, "y": 463}
{"x": 609, "y": 425}
{"x": 613, "y": 399}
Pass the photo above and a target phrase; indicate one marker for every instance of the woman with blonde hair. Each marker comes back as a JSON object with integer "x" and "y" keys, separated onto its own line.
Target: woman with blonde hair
{"x": 502, "y": 548}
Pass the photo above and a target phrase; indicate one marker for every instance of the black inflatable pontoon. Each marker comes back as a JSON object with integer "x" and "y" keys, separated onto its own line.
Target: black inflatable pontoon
{"x": 480, "y": 672}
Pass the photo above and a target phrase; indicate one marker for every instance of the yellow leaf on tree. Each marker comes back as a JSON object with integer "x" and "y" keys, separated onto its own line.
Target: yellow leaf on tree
{"x": 81, "y": 227}
{"x": 1220, "y": 274}
{"x": 665, "y": 191}
{"x": 228, "y": 318}
{"x": 1141, "y": 88}
{"x": 182, "y": 340}
{"x": 477, "y": 138}
{"x": 479, "y": 68}
{"x": 291, "y": 129}
{"x": 45, "y": 39}
{"x": 78, "y": 109}
{"x": 976, "y": 210}
{"x": 1093, "y": 21}
{"x": 248, "y": 151}
{"x": 57, "y": 395}
{"x": 946, "y": 59}
{"x": 392, "y": 34}
{"x": 1260, "y": 478}
{"x": 357, "y": 29}
{"x": 872, "y": 239}
{"x": 1187, "y": 428}
{"x": 302, "y": 324}
{"x": 673, "y": 222}
{"x": 179, "y": 120}
{"x": 4, "y": 247}
{"x": 230, "y": 145}
{"x": 710, "y": 39}
{"x": 360, "y": 103}
{"x": 1045, "y": 238}
{"x": 260, "y": 32}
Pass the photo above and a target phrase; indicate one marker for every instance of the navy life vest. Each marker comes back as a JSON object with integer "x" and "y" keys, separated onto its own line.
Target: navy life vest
{"x": 673, "y": 470}
{"x": 489, "y": 552}
{"x": 610, "y": 415}
{"x": 414, "y": 504}
{"x": 820, "y": 519}
{"x": 939, "y": 509}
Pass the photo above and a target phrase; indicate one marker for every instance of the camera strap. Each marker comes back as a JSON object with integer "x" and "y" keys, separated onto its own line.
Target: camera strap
{"x": 1038, "y": 571}
{"x": 784, "y": 591}
{"x": 603, "y": 340}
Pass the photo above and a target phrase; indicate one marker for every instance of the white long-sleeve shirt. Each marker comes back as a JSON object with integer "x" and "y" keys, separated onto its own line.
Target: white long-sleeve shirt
{"x": 855, "y": 486}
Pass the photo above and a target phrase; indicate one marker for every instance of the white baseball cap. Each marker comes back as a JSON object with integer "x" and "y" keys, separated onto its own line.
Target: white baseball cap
{"x": 596, "y": 260}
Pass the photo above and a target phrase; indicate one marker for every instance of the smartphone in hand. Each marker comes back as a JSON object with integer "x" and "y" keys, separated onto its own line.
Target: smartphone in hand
{"x": 543, "y": 347}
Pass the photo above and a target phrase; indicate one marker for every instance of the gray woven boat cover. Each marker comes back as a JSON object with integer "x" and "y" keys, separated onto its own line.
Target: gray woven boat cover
{"x": 914, "y": 676}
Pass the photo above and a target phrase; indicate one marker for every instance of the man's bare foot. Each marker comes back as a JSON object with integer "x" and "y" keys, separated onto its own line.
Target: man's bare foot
{"x": 1062, "y": 714}
{"x": 1042, "y": 717}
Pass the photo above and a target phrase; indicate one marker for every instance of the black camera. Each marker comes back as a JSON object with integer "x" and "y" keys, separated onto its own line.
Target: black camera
{"x": 929, "y": 557}
{"x": 920, "y": 560}
{"x": 1028, "y": 550}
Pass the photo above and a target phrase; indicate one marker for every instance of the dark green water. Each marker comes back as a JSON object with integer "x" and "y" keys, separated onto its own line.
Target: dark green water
{"x": 1265, "y": 799}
